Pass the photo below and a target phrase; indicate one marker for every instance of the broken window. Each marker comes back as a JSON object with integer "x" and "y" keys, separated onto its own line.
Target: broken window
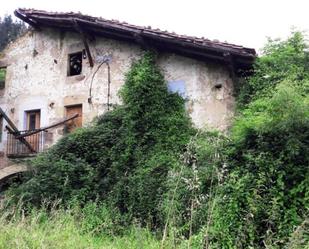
{"x": 2, "y": 77}
{"x": 75, "y": 64}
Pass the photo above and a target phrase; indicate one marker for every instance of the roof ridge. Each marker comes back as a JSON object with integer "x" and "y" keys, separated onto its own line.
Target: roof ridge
{"x": 199, "y": 40}
{"x": 237, "y": 57}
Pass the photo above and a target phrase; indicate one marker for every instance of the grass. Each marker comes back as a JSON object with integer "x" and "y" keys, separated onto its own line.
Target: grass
{"x": 64, "y": 229}
{"x": 95, "y": 226}
{"x": 79, "y": 229}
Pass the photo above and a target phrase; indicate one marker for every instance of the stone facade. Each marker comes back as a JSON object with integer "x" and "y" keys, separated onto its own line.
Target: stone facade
{"x": 37, "y": 79}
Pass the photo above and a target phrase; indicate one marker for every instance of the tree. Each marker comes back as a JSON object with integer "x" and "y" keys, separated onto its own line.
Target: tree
{"x": 10, "y": 30}
{"x": 280, "y": 60}
{"x": 264, "y": 202}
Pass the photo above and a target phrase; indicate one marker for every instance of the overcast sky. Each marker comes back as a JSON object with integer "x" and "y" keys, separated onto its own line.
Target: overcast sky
{"x": 242, "y": 22}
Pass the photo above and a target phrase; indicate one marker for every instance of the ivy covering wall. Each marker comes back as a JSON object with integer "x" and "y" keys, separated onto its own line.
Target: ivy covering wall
{"x": 146, "y": 162}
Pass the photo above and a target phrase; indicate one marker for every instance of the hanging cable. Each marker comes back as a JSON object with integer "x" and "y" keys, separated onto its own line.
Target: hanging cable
{"x": 90, "y": 89}
{"x": 108, "y": 85}
{"x": 105, "y": 61}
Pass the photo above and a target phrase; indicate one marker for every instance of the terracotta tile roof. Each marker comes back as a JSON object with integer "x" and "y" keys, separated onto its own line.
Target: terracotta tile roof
{"x": 242, "y": 57}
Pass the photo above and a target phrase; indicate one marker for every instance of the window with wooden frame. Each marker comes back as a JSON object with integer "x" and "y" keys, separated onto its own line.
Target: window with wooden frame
{"x": 33, "y": 120}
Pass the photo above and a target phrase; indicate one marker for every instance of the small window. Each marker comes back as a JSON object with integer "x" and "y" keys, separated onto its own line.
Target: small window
{"x": 177, "y": 86}
{"x": 75, "y": 64}
{"x": 2, "y": 77}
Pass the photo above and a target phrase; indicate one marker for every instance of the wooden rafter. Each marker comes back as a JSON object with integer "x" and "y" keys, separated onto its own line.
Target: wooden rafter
{"x": 27, "y": 20}
{"x": 84, "y": 38}
{"x": 200, "y": 48}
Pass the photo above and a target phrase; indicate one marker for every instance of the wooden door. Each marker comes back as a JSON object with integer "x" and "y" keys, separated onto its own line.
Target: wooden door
{"x": 33, "y": 123}
{"x": 77, "y": 122}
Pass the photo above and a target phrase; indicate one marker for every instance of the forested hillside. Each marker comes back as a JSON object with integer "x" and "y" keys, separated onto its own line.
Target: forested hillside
{"x": 10, "y": 30}
{"x": 141, "y": 176}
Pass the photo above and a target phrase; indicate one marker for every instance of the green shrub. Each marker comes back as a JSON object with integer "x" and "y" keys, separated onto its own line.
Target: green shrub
{"x": 266, "y": 193}
{"x": 280, "y": 60}
{"x": 55, "y": 178}
{"x": 124, "y": 157}
{"x": 145, "y": 164}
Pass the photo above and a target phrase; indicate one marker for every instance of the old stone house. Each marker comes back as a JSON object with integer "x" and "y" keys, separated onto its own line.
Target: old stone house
{"x": 69, "y": 63}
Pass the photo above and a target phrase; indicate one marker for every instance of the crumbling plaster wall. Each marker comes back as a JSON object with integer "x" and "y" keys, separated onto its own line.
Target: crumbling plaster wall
{"x": 37, "y": 79}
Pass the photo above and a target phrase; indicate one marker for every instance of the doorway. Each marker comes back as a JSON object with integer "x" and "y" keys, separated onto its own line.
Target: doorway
{"x": 77, "y": 122}
{"x": 33, "y": 122}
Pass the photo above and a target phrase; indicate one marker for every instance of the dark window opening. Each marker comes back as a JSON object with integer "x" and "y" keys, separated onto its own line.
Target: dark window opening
{"x": 75, "y": 64}
{"x": 2, "y": 77}
{"x": 33, "y": 120}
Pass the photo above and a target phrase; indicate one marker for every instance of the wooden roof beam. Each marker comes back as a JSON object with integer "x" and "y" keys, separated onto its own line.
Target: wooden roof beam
{"x": 84, "y": 38}
{"x": 27, "y": 20}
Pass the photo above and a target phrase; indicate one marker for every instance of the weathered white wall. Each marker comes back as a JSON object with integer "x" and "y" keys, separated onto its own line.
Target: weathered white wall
{"x": 37, "y": 79}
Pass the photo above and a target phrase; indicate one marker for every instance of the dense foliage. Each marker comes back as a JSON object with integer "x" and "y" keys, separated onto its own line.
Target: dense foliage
{"x": 10, "y": 30}
{"x": 264, "y": 202}
{"x": 281, "y": 60}
{"x": 265, "y": 196}
{"x": 124, "y": 158}
{"x": 145, "y": 161}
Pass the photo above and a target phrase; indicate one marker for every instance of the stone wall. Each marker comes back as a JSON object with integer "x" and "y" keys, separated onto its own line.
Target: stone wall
{"x": 37, "y": 79}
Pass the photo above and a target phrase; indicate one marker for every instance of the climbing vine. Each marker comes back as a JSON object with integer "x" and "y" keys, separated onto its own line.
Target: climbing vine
{"x": 125, "y": 156}
{"x": 248, "y": 189}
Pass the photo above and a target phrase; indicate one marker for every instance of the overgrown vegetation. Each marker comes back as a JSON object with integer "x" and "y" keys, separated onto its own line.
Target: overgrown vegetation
{"x": 281, "y": 61}
{"x": 125, "y": 157}
{"x": 145, "y": 163}
{"x": 265, "y": 195}
{"x": 90, "y": 227}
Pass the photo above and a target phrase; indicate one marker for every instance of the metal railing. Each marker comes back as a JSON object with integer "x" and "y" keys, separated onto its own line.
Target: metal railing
{"x": 17, "y": 146}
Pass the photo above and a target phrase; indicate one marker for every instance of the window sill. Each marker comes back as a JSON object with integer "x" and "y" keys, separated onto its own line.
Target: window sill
{"x": 75, "y": 78}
